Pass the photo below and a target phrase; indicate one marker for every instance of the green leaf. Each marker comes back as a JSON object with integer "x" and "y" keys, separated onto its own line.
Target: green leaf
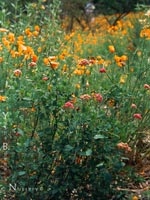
{"x": 88, "y": 152}
{"x": 99, "y": 136}
{"x": 100, "y": 164}
{"x": 68, "y": 147}
{"x": 21, "y": 173}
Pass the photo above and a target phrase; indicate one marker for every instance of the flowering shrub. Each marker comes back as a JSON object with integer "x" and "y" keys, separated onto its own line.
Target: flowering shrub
{"x": 71, "y": 110}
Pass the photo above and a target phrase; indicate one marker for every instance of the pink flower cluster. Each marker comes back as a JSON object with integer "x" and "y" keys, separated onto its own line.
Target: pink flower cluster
{"x": 146, "y": 86}
{"x": 137, "y": 116}
{"x": 124, "y": 146}
{"x": 68, "y": 105}
{"x": 98, "y": 97}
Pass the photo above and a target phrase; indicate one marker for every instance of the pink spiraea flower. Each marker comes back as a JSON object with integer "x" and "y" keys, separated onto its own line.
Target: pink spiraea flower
{"x": 133, "y": 105}
{"x": 124, "y": 146}
{"x": 102, "y": 70}
{"x": 146, "y": 86}
{"x": 84, "y": 62}
{"x": 68, "y": 105}
{"x": 98, "y": 97}
{"x": 45, "y": 78}
{"x": 137, "y": 116}
{"x": 85, "y": 97}
{"x": 17, "y": 72}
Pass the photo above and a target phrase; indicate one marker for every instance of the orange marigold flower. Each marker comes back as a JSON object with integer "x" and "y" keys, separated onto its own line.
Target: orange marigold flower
{"x": 124, "y": 58}
{"x": 35, "y": 33}
{"x": 46, "y": 61}
{"x": 1, "y": 59}
{"x": 37, "y": 28}
{"x": 52, "y": 58}
{"x": 54, "y": 65}
{"x": 111, "y": 48}
{"x": 135, "y": 198}
{"x": 34, "y": 58}
{"x": 3, "y": 98}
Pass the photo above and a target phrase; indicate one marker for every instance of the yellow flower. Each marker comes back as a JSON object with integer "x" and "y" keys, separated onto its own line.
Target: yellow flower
{"x": 77, "y": 86}
{"x": 135, "y": 198}
{"x": 39, "y": 50}
{"x": 123, "y": 79}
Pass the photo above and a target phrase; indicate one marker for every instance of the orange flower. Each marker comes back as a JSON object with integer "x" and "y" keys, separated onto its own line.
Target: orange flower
{"x": 1, "y": 59}
{"x": 37, "y": 28}
{"x": 3, "y": 98}
{"x": 111, "y": 49}
{"x": 28, "y": 32}
{"x": 54, "y": 64}
{"x": 46, "y": 61}
{"x": 35, "y": 33}
{"x": 34, "y": 58}
{"x": 52, "y": 58}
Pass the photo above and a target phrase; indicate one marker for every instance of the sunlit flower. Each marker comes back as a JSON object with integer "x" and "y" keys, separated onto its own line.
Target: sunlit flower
{"x": 17, "y": 72}
{"x": 137, "y": 116}
{"x": 68, "y": 105}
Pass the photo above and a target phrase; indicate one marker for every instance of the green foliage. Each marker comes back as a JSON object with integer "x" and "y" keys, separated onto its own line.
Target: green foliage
{"x": 63, "y": 139}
